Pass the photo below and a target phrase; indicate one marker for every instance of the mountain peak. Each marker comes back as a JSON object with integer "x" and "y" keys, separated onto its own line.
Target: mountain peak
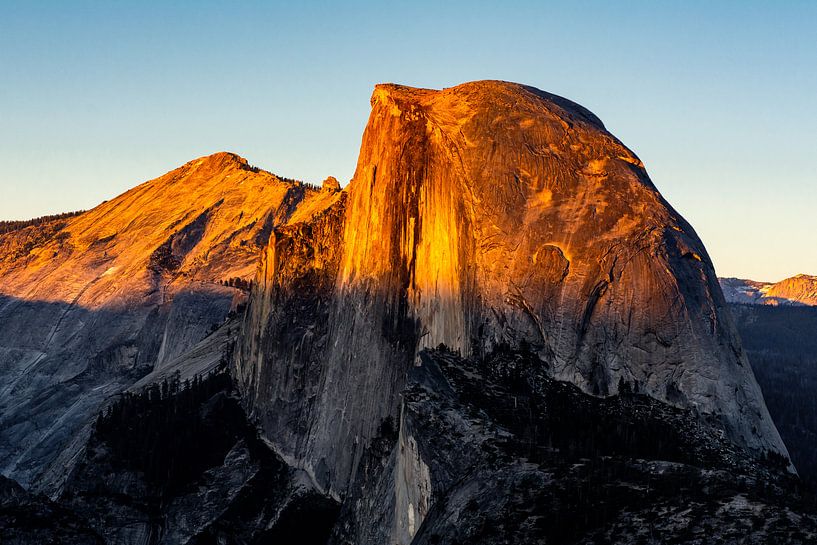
{"x": 484, "y": 96}
{"x": 330, "y": 184}
{"x": 132, "y": 282}
{"x": 218, "y": 161}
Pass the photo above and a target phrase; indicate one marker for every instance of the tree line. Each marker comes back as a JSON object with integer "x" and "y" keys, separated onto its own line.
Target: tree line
{"x": 173, "y": 430}
{"x": 16, "y": 225}
{"x": 781, "y": 343}
{"x": 235, "y": 282}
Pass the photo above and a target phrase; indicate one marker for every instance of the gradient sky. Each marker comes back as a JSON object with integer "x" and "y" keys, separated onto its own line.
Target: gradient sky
{"x": 719, "y": 101}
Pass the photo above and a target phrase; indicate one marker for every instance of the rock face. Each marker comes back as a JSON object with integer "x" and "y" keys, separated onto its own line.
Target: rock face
{"x": 484, "y": 217}
{"x": 492, "y": 450}
{"x": 176, "y": 463}
{"x": 91, "y": 303}
{"x": 181, "y": 464}
{"x": 797, "y": 290}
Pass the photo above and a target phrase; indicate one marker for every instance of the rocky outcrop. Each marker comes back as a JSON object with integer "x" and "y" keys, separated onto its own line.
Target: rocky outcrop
{"x": 89, "y": 303}
{"x": 484, "y": 216}
{"x": 330, "y": 184}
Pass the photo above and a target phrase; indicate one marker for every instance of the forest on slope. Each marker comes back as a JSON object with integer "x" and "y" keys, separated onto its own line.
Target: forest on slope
{"x": 781, "y": 342}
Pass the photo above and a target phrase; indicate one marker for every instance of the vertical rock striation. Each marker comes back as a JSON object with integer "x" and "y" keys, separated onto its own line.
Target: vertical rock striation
{"x": 488, "y": 215}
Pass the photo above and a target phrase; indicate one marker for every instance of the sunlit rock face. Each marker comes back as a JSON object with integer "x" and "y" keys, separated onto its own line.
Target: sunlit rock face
{"x": 91, "y": 303}
{"x": 486, "y": 215}
{"x": 800, "y": 289}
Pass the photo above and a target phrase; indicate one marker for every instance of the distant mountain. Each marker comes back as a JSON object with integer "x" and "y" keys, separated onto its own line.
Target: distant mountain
{"x": 801, "y": 289}
{"x": 797, "y": 290}
{"x": 778, "y": 328}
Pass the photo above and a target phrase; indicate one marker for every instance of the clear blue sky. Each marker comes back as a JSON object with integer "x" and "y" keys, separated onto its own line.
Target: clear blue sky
{"x": 719, "y": 99}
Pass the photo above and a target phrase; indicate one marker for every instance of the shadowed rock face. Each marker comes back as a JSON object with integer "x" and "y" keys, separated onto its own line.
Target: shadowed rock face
{"x": 486, "y": 215}
{"x": 91, "y": 303}
{"x": 493, "y": 450}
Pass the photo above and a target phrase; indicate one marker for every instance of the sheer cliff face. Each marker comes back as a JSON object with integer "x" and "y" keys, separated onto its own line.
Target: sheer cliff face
{"x": 486, "y": 215}
{"x": 89, "y": 304}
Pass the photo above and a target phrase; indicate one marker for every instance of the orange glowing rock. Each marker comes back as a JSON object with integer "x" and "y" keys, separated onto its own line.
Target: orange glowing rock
{"x": 486, "y": 215}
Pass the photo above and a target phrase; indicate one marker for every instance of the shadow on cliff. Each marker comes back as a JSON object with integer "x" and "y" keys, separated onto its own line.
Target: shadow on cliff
{"x": 179, "y": 460}
{"x": 55, "y": 373}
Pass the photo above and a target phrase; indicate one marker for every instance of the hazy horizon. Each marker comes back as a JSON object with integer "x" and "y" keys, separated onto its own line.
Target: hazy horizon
{"x": 717, "y": 101}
